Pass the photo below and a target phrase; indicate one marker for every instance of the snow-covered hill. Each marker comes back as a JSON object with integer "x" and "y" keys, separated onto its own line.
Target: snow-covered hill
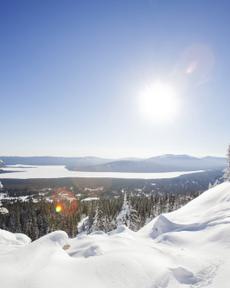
{"x": 186, "y": 248}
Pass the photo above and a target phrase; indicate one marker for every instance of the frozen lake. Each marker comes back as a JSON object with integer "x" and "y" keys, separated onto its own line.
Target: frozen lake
{"x": 39, "y": 172}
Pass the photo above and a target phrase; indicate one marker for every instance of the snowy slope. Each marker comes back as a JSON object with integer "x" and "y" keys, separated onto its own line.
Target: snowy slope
{"x": 186, "y": 248}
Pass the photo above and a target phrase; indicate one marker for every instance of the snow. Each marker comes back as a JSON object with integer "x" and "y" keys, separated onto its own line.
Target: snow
{"x": 127, "y": 215}
{"x": 9, "y": 239}
{"x": 4, "y": 210}
{"x": 187, "y": 248}
{"x": 82, "y": 222}
{"x": 59, "y": 171}
{"x": 124, "y": 214}
{"x": 5, "y": 197}
{"x": 90, "y": 199}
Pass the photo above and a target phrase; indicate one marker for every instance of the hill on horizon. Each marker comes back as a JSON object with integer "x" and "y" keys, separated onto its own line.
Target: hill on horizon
{"x": 162, "y": 163}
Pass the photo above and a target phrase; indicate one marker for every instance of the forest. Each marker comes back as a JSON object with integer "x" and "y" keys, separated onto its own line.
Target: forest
{"x": 36, "y": 218}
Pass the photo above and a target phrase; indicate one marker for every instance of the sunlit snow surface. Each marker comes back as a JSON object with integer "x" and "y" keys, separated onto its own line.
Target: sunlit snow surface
{"x": 188, "y": 248}
{"x": 29, "y": 172}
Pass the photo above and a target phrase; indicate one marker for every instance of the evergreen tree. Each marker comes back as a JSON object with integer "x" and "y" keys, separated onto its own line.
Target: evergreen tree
{"x": 128, "y": 216}
{"x": 99, "y": 222}
{"x": 227, "y": 170}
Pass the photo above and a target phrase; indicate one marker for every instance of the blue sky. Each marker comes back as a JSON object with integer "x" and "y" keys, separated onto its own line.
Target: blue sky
{"x": 71, "y": 73}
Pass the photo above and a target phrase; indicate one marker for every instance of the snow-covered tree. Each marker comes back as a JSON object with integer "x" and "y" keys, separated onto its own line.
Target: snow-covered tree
{"x": 100, "y": 220}
{"x": 94, "y": 226}
{"x": 128, "y": 216}
{"x": 227, "y": 170}
{"x": 217, "y": 182}
{"x": 84, "y": 225}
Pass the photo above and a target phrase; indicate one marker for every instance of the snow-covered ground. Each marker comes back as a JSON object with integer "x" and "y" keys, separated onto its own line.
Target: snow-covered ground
{"x": 38, "y": 172}
{"x": 186, "y": 248}
{"x": 90, "y": 199}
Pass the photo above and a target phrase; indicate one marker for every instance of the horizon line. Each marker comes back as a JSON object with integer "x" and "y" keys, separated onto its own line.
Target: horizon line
{"x": 114, "y": 158}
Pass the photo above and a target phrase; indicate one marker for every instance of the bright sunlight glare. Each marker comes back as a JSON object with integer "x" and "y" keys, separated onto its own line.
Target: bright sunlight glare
{"x": 58, "y": 208}
{"x": 159, "y": 103}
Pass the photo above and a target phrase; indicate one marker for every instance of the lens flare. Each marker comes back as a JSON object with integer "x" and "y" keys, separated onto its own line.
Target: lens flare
{"x": 191, "y": 67}
{"x": 198, "y": 61}
{"x": 64, "y": 201}
{"x": 58, "y": 208}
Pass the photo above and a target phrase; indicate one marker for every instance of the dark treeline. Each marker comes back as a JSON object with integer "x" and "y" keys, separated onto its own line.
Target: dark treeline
{"x": 37, "y": 218}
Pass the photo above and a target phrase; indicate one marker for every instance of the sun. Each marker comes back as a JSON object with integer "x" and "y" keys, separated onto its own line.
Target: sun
{"x": 159, "y": 103}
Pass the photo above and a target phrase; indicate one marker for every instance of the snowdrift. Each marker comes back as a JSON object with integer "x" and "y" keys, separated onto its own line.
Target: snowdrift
{"x": 186, "y": 248}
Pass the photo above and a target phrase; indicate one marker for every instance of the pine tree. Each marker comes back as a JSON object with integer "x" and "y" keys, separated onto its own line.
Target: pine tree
{"x": 99, "y": 222}
{"x": 123, "y": 217}
{"x": 128, "y": 216}
{"x": 227, "y": 170}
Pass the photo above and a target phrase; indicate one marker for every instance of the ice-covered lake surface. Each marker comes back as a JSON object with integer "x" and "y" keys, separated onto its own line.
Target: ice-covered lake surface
{"x": 39, "y": 172}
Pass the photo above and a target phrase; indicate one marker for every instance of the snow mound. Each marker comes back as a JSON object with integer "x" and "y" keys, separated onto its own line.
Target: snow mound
{"x": 188, "y": 248}
{"x": 22, "y": 238}
{"x": 121, "y": 229}
{"x": 57, "y": 237}
{"x": 9, "y": 238}
{"x": 208, "y": 210}
{"x": 163, "y": 225}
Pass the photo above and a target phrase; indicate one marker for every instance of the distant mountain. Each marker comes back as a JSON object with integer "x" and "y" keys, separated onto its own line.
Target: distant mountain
{"x": 163, "y": 163}
{"x": 186, "y": 162}
{"x": 52, "y": 160}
